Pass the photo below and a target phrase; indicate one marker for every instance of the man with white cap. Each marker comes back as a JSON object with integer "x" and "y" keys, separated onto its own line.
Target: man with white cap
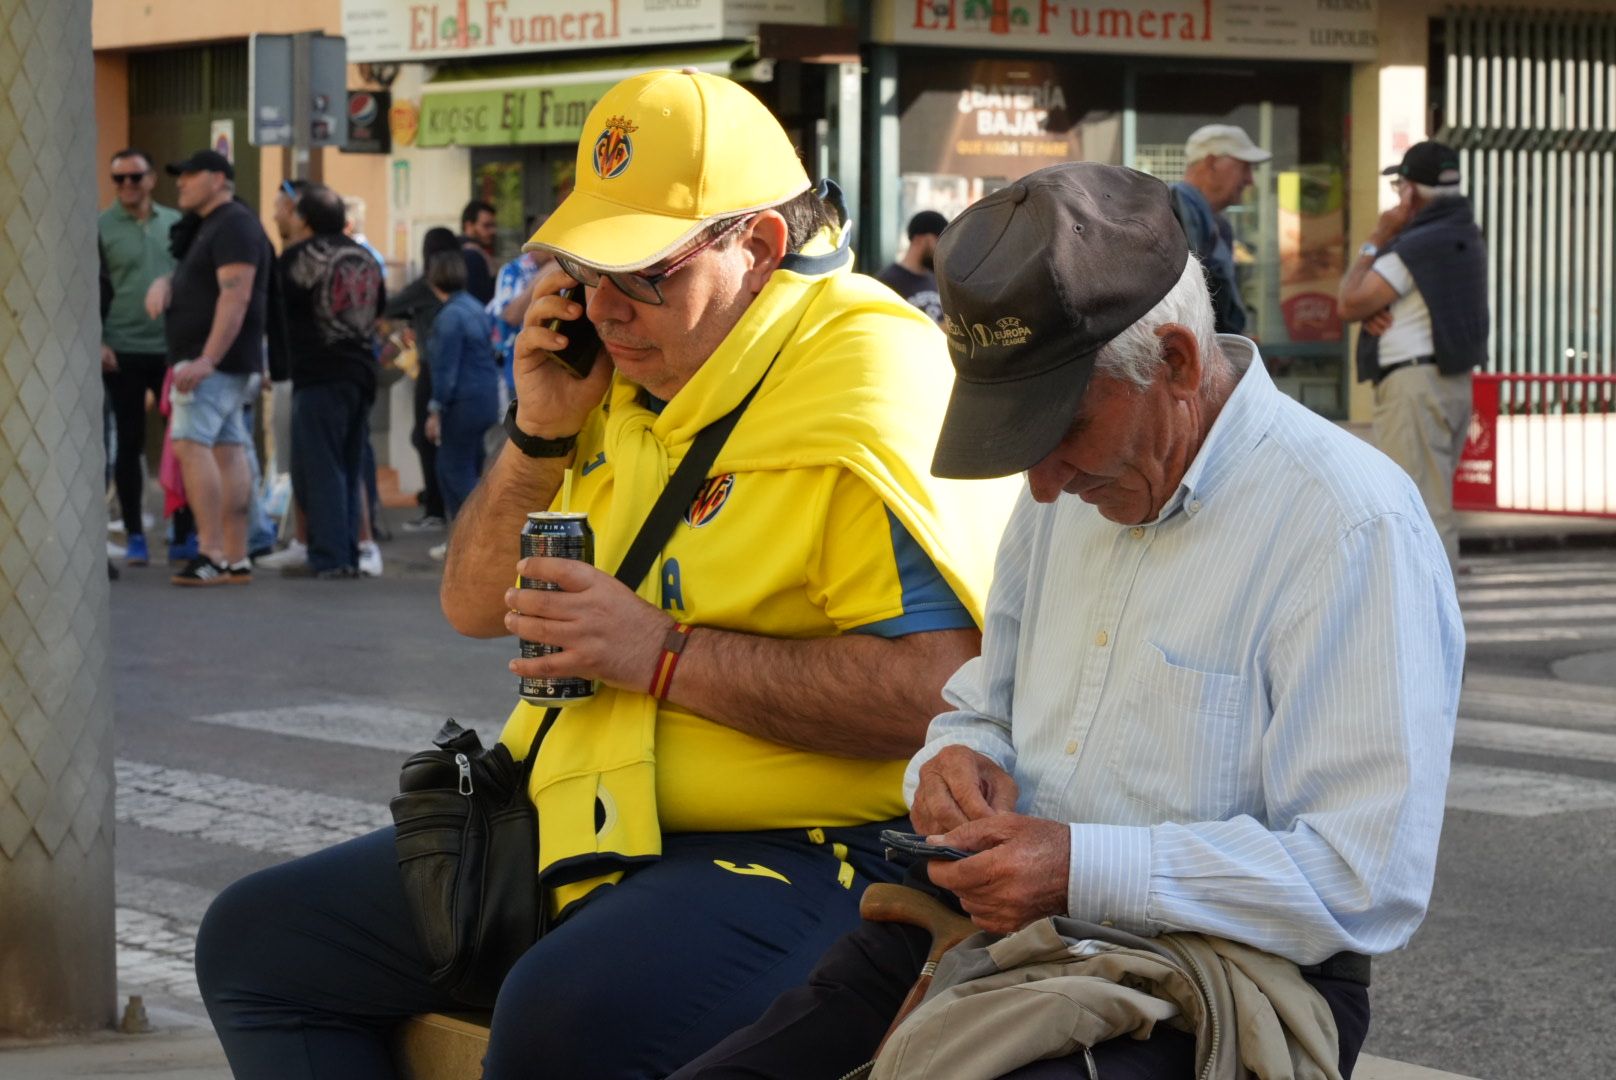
{"x": 709, "y": 818}
{"x": 1217, "y": 170}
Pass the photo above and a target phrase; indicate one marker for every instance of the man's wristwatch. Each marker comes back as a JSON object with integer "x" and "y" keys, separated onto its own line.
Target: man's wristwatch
{"x": 532, "y": 445}
{"x": 1368, "y": 251}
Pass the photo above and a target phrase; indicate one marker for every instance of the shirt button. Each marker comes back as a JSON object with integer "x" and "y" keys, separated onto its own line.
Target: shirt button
{"x": 1101, "y": 638}
{"x": 1195, "y": 506}
{"x": 1071, "y": 747}
{"x": 1137, "y": 532}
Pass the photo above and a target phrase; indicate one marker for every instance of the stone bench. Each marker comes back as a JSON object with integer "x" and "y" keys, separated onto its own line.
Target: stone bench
{"x": 440, "y": 1046}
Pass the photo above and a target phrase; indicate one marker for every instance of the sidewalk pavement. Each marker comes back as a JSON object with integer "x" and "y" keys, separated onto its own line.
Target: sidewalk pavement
{"x": 180, "y": 1048}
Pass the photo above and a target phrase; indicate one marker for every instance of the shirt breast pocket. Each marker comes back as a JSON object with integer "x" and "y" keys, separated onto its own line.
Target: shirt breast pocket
{"x": 1181, "y": 746}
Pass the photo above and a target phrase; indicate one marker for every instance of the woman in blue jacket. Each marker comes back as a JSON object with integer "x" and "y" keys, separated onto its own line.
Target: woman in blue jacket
{"x": 465, "y": 380}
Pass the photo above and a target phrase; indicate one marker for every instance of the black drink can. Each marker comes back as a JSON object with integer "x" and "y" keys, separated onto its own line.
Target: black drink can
{"x": 558, "y": 536}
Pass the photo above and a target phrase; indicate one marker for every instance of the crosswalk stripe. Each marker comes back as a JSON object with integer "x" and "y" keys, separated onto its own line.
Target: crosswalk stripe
{"x": 1537, "y": 595}
{"x": 1527, "y": 634}
{"x": 223, "y": 810}
{"x": 1489, "y": 789}
{"x": 352, "y": 723}
{"x": 1557, "y": 613}
{"x": 1517, "y": 576}
{"x": 1535, "y": 739}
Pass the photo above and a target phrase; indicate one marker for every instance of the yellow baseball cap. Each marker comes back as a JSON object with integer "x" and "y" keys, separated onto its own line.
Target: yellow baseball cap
{"x": 663, "y": 154}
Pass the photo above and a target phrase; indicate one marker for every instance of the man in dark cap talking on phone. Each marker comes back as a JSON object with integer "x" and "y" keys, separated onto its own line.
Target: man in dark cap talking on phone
{"x": 1217, "y": 688}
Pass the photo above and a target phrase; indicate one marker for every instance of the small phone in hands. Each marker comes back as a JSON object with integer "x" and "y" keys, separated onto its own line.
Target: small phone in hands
{"x": 908, "y": 846}
{"x": 583, "y": 341}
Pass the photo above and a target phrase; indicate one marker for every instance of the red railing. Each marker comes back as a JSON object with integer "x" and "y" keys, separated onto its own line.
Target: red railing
{"x": 1540, "y": 444}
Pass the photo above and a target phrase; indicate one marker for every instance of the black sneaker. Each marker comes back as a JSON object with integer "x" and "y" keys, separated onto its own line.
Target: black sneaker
{"x": 331, "y": 573}
{"x": 201, "y": 571}
{"x": 239, "y": 573}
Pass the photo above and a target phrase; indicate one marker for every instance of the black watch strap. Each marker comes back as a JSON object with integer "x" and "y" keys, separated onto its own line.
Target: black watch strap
{"x": 532, "y": 445}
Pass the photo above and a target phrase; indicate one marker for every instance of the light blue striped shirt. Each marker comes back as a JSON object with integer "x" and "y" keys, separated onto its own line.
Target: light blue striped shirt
{"x": 1244, "y": 708}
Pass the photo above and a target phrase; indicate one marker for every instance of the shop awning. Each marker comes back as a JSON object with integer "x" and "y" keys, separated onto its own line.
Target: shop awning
{"x": 548, "y": 101}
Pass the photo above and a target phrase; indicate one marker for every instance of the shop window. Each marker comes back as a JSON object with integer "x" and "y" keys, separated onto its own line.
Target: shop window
{"x": 1290, "y": 225}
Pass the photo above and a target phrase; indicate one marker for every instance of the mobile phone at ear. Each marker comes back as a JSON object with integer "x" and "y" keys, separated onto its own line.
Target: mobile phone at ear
{"x": 907, "y": 846}
{"x": 583, "y": 340}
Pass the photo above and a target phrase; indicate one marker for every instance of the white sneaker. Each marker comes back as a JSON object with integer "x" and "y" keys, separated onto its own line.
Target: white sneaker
{"x": 370, "y": 559}
{"x": 438, "y": 551}
{"x": 295, "y": 554}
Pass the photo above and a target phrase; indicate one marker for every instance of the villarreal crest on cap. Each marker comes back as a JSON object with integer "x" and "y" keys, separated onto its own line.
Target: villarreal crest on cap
{"x": 662, "y": 155}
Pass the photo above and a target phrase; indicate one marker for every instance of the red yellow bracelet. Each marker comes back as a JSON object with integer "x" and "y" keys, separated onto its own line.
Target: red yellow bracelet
{"x": 672, "y": 646}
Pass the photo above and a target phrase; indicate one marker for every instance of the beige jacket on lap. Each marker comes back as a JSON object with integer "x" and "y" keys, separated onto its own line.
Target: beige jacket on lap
{"x": 1060, "y": 985}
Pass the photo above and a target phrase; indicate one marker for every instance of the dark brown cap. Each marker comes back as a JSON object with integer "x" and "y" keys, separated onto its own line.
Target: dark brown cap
{"x": 1035, "y": 278}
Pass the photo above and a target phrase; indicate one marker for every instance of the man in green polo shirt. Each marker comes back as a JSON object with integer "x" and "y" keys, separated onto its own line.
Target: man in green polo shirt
{"x": 134, "y": 242}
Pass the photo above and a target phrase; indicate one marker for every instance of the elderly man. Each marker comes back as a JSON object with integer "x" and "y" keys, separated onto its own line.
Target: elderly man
{"x": 710, "y": 816}
{"x": 1218, "y": 160}
{"x": 1420, "y": 287}
{"x": 1221, "y": 661}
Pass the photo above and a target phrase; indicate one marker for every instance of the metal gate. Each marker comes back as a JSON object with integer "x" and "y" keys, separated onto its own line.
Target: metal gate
{"x": 1530, "y": 103}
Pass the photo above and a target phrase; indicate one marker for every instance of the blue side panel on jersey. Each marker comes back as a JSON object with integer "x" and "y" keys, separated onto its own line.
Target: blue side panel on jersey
{"x": 929, "y": 602}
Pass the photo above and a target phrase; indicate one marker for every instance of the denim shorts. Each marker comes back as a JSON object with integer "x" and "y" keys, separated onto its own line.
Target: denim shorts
{"x": 211, "y": 414}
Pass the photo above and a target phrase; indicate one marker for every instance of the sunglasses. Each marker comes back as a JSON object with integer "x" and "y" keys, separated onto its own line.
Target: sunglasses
{"x": 645, "y": 288}
{"x": 128, "y": 177}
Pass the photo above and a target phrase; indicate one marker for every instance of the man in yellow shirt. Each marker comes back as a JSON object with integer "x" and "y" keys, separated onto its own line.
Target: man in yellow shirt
{"x": 710, "y": 817}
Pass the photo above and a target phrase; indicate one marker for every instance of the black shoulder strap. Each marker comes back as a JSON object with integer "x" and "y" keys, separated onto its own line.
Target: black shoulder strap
{"x": 658, "y": 525}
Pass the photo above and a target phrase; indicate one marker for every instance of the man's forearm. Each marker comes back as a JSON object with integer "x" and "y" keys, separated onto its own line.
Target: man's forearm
{"x": 228, "y": 315}
{"x": 855, "y": 695}
{"x": 484, "y": 548}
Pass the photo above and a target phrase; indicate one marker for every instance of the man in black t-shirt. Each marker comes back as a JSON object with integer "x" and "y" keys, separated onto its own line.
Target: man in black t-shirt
{"x": 216, "y": 300}
{"x": 911, "y": 277}
{"x": 330, "y": 294}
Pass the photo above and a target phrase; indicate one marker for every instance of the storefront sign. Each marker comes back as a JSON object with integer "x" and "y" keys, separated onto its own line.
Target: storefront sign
{"x": 381, "y": 30}
{"x": 550, "y": 114}
{"x": 1262, "y": 29}
{"x": 404, "y": 119}
{"x": 1006, "y": 119}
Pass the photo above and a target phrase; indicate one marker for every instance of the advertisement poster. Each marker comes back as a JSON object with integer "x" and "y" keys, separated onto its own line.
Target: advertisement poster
{"x": 1004, "y": 120}
{"x": 1312, "y": 243}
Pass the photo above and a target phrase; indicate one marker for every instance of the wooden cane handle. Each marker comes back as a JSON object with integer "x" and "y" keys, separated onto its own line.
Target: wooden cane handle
{"x": 900, "y": 904}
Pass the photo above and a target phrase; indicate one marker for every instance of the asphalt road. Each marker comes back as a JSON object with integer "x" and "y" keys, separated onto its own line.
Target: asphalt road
{"x": 258, "y": 723}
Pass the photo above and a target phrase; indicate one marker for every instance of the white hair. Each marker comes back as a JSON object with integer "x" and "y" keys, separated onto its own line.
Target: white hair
{"x": 1136, "y": 353}
{"x": 1438, "y": 191}
{"x": 354, "y": 207}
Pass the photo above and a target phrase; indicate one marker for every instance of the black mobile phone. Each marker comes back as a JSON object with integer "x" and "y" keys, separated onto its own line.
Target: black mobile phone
{"x": 583, "y": 341}
{"x": 909, "y": 846}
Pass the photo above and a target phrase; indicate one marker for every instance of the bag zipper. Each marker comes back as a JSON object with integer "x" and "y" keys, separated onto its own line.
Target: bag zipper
{"x": 464, "y": 764}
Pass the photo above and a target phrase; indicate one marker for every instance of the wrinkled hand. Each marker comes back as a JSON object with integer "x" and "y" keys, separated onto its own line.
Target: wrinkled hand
{"x": 109, "y": 360}
{"x": 551, "y": 402}
{"x": 158, "y": 295}
{"x": 1378, "y": 323}
{"x": 1392, "y": 222}
{"x": 960, "y": 785}
{"x": 433, "y": 429}
{"x": 605, "y": 630}
{"x": 188, "y": 374}
{"x": 1018, "y": 875}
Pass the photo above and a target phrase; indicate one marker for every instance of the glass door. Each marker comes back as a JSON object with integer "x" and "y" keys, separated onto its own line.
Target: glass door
{"x": 1290, "y": 226}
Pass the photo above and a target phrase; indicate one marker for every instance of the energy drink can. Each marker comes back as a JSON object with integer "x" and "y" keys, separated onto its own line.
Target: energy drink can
{"x": 559, "y": 536}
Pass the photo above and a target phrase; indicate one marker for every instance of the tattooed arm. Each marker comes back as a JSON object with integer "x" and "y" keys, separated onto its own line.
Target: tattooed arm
{"x": 229, "y": 312}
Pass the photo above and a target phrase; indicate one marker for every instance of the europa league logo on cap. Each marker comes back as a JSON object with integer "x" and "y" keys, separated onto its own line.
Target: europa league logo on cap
{"x": 614, "y": 149}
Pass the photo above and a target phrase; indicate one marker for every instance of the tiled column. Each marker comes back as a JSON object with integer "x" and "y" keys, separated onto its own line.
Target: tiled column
{"x": 57, "y": 960}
